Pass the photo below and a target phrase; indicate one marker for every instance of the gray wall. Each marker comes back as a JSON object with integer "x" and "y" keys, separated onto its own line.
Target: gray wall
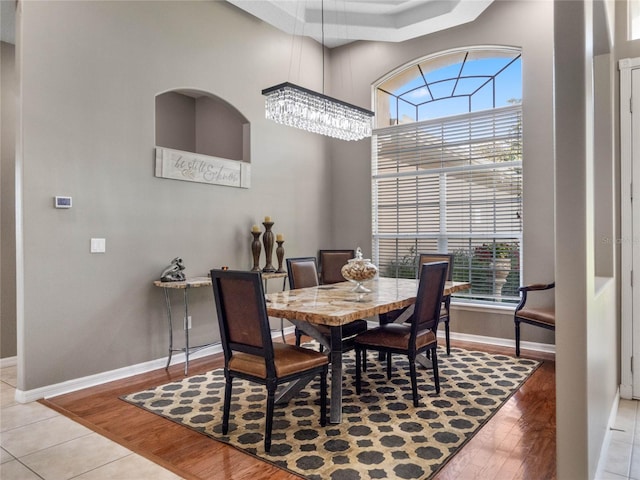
{"x": 349, "y": 220}
{"x": 88, "y": 131}
{"x": 103, "y": 157}
{"x": 588, "y": 352}
{"x": 199, "y": 123}
{"x": 176, "y": 122}
{"x": 527, "y": 25}
{"x": 219, "y": 129}
{"x": 8, "y": 100}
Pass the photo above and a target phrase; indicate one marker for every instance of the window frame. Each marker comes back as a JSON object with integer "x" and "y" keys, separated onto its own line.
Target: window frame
{"x": 479, "y": 243}
{"x": 633, "y": 15}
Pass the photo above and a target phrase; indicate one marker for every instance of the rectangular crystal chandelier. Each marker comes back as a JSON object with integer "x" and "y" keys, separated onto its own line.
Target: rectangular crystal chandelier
{"x": 314, "y": 112}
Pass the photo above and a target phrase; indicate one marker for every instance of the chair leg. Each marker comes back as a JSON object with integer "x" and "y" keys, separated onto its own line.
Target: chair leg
{"x": 358, "y": 374}
{"x": 445, "y": 318}
{"x": 298, "y": 337}
{"x": 436, "y": 375}
{"x": 227, "y": 404}
{"x": 271, "y": 400}
{"x": 446, "y": 335}
{"x": 364, "y": 360}
{"x": 414, "y": 380}
{"x": 517, "y": 337}
{"x": 323, "y": 397}
{"x": 388, "y": 365}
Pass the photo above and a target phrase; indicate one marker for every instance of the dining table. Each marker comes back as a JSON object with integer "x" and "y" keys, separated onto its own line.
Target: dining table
{"x": 336, "y": 305}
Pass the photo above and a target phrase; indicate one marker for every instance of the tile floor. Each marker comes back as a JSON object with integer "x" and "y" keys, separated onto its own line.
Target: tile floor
{"x": 39, "y": 443}
{"x": 623, "y": 456}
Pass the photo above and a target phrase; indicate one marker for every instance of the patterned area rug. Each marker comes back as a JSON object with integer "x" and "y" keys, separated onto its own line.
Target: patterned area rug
{"x": 381, "y": 435}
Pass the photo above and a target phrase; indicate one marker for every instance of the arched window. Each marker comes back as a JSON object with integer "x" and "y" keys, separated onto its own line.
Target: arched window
{"x": 447, "y": 168}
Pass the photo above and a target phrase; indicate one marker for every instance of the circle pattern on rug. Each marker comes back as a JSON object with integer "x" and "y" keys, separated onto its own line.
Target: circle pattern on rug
{"x": 382, "y": 435}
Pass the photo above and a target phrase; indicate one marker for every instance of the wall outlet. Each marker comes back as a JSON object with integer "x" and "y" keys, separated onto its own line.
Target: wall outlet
{"x": 189, "y": 322}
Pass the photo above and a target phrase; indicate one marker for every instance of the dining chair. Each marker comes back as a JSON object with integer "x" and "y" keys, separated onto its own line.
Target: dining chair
{"x": 446, "y": 299}
{"x": 413, "y": 337}
{"x": 249, "y": 351}
{"x": 331, "y": 263}
{"x": 303, "y": 273}
{"x": 544, "y": 317}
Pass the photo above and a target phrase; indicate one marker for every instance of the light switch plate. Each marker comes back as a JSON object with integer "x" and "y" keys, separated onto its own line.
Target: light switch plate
{"x": 98, "y": 245}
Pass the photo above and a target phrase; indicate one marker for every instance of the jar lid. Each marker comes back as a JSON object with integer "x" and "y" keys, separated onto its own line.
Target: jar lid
{"x": 358, "y": 257}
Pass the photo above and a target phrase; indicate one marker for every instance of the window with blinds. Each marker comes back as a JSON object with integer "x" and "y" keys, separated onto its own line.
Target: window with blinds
{"x": 452, "y": 184}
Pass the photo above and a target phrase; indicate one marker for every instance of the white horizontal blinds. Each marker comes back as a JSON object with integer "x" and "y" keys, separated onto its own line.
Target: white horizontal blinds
{"x": 450, "y": 185}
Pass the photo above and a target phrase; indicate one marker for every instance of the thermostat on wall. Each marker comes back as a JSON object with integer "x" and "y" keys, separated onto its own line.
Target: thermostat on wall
{"x": 62, "y": 202}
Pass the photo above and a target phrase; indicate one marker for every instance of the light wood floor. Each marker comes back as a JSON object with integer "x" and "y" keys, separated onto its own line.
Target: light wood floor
{"x": 519, "y": 442}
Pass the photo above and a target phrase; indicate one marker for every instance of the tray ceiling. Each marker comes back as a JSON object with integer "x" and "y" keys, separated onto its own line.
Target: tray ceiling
{"x": 346, "y": 21}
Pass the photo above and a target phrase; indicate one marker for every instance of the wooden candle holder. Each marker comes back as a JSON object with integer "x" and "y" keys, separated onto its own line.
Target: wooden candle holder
{"x": 267, "y": 240}
{"x": 255, "y": 250}
{"x": 280, "y": 255}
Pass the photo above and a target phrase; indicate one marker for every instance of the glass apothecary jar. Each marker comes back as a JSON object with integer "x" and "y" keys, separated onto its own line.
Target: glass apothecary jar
{"x": 359, "y": 270}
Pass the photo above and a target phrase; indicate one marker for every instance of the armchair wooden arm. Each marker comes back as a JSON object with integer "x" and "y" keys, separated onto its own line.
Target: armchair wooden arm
{"x": 544, "y": 317}
{"x": 537, "y": 286}
{"x": 534, "y": 287}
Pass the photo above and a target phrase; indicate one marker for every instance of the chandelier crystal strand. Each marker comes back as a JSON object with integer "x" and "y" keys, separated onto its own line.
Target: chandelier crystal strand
{"x": 298, "y": 107}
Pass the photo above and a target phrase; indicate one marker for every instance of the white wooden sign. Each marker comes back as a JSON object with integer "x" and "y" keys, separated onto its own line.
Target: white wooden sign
{"x": 195, "y": 167}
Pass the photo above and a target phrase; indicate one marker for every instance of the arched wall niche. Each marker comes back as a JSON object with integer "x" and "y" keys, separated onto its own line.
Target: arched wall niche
{"x": 201, "y": 138}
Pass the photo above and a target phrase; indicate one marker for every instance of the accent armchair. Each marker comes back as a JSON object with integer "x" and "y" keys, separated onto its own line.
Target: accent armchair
{"x": 544, "y": 317}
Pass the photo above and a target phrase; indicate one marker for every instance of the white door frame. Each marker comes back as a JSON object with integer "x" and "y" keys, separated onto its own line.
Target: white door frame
{"x": 627, "y": 240}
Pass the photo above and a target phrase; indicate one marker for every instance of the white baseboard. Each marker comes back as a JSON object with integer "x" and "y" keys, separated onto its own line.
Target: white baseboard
{"x": 501, "y": 342}
{"x": 626, "y": 391}
{"x": 8, "y": 362}
{"x": 25, "y": 396}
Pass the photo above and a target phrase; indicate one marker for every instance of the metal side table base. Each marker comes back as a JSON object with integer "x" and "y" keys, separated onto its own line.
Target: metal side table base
{"x": 185, "y": 286}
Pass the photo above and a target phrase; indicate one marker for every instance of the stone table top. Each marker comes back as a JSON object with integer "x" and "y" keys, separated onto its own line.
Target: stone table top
{"x": 194, "y": 282}
{"x": 337, "y": 304}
